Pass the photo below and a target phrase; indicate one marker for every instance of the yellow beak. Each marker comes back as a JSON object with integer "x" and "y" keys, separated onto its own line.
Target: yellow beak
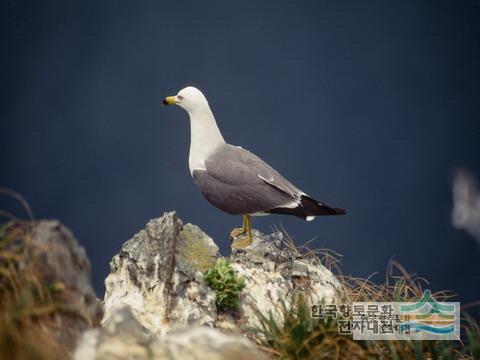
{"x": 170, "y": 100}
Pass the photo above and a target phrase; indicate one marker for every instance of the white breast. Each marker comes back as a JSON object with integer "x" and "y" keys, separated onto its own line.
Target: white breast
{"x": 205, "y": 138}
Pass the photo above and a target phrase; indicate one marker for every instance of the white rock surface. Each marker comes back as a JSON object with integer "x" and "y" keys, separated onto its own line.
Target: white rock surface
{"x": 123, "y": 338}
{"x": 156, "y": 297}
{"x": 158, "y": 275}
{"x": 273, "y": 271}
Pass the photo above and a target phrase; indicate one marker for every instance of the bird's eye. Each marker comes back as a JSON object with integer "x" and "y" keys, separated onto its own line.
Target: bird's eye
{"x": 180, "y": 97}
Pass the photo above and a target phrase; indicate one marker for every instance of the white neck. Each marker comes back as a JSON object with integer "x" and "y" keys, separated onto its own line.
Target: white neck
{"x": 205, "y": 137}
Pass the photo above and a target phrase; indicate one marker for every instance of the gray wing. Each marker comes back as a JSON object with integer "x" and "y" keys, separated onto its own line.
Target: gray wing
{"x": 235, "y": 165}
{"x": 239, "y": 182}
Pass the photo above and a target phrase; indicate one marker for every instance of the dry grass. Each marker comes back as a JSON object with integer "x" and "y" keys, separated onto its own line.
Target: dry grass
{"x": 299, "y": 336}
{"x": 30, "y": 309}
{"x": 35, "y": 310}
{"x": 27, "y": 307}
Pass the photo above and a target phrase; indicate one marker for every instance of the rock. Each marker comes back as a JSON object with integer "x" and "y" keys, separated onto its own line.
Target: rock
{"x": 273, "y": 270}
{"x": 125, "y": 338}
{"x": 202, "y": 343}
{"x": 58, "y": 266}
{"x": 64, "y": 264}
{"x": 158, "y": 275}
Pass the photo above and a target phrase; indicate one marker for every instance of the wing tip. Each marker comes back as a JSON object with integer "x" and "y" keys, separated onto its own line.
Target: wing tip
{"x": 318, "y": 208}
{"x": 308, "y": 209}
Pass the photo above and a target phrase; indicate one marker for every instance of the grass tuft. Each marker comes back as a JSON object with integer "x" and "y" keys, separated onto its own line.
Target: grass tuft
{"x": 299, "y": 336}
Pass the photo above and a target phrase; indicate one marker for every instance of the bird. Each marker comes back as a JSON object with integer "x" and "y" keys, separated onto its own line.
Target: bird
{"x": 466, "y": 203}
{"x": 235, "y": 180}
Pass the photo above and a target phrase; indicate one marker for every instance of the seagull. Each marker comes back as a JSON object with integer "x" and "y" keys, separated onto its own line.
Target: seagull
{"x": 235, "y": 180}
{"x": 466, "y": 203}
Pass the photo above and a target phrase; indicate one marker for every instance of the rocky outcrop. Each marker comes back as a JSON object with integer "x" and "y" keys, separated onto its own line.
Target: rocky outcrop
{"x": 123, "y": 337}
{"x": 273, "y": 270}
{"x": 64, "y": 263}
{"x": 53, "y": 289}
{"x": 158, "y": 306}
{"x": 158, "y": 275}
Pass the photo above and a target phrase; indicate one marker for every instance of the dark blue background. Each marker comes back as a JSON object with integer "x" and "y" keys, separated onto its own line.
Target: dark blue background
{"x": 364, "y": 105}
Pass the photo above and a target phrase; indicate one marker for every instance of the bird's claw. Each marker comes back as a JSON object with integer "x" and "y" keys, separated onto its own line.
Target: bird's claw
{"x": 242, "y": 237}
{"x": 240, "y": 243}
{"x": 236, "y": 232}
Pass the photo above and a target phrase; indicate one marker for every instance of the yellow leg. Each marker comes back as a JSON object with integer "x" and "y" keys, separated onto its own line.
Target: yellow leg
{"x": 236, "y": 232}
{"x": 246, "y": 229}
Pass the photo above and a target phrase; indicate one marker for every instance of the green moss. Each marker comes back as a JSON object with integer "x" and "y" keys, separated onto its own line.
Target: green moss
{"x": 226, "y": 284}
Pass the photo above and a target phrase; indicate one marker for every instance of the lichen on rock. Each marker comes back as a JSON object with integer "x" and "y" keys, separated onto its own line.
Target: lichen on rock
{"x": 272, "y": 271}
{"x": 196, "y": 251}
{"x": 157, "y": 277}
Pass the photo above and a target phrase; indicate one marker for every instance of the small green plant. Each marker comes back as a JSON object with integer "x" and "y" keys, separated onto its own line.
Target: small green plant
{"x": 226, "y": 284}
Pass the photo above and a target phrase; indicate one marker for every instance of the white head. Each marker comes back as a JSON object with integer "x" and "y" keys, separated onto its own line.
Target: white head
{"x": 205, "y": 137}
{"x": 190, "y": 98}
